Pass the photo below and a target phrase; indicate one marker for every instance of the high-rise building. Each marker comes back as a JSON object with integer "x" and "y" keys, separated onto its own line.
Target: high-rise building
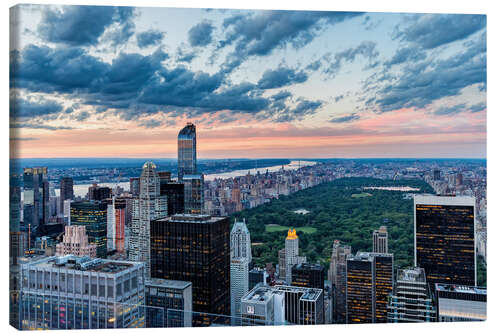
{"x": 111, "y": 224}
{"x": 437, "y": 174}
{"x": 193, "y": 193}
{"x": 303, "y": 306}
{"x": 241, "y": 256}
{"x": 65, "y": 191}
{"x": 411, "y": 300}
{"x": 292, "y": 254}
{"x": 148, "y": 207}
{"x": 81, "y": 293}
{"x": 76, "y": 242}
{"x": 99, "y": 193}
{"x": 169, "y": 303}
{"x": 282, "y": 264}
{"x": 195, "y": 248}
{"x": 120, "y": 216}
{"x": 337, "y": 275}
{"x": 369, "y": 283}
{"x": 175, "y": 196}
{"x": 263, "y": 305}
{"x": 460, "y": 303}
{"x": 36, "y": 197}
{"x": 92, "y": 215}
{"x": 186, "y": 152}
{"x": 308, "y": 276}
{"x": 258, "y": 275}
{"x": 381, "y": 240}
{"x": 445, "y": 242}
{"x": 135, "y": 186}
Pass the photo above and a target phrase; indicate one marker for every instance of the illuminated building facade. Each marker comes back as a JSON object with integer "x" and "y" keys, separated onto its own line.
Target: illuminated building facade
{"x": 93, "y": 216}
{"x": 186, "y": 151}
{"x": 308, "y": 276}
{"x": 81, "y": 293}
{"x": 411, "y": 300}
{"x": 195, "y": 248}
{"x": 369, "y": 283}
{"x": 36, "y": 197}
{"x": 292, "y": 254}
{"x": 445, "y": 242}
{"x": 460, "y": 303}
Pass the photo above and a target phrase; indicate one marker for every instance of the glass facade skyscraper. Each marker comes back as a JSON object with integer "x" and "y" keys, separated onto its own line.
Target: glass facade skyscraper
{"x": 36, "y": 196}
{"x": 186, "y": 159}
{"x": 195, "y": 248}
{"x": 92, "y": 215}
{"x": 445, "y": 242}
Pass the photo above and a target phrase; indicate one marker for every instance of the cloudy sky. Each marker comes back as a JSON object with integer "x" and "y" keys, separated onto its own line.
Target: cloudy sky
{"x": 121, "y": 81}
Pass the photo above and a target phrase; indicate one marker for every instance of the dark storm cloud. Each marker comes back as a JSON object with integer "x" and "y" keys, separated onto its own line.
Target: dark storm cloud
{"x": 83, "y": 25}
{"x": 260, "y": 33}
{"x": 422, "y": 83}
{"x": 44, "y": 69}
{"x": 149, "y": 38}
{"x": 201, "y": 34}
{"x": 433, "y": 30}
{"x": 23, "y": 108}
{"x": 133, "y": 85}
{"x": 281, "y": 77}
{"x": 345, "y": 119}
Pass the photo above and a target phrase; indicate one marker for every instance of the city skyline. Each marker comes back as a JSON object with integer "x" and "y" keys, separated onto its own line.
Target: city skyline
{"x": 325, "y": 84}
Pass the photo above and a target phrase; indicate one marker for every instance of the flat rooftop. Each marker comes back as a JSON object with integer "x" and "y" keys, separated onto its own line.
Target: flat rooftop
{"x": 197, "y": 218}
{"x": 71, "y": 262}
{"x": 415, "y": 274}
{"x": 259, "y": 294}
{"x": 461, "y": 289}
{"x": 163, "y": 283}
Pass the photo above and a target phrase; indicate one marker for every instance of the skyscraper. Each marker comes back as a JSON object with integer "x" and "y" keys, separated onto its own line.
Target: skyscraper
{"x": 99, "y": 193}
{"x": 135, "y": 187}
{"x": 411, "y": 300}
{"x": 369, "y": 283}
{"x": 81, "y": 293}
{"x": 148, "y": 207}
{"x": 186, "y": 151}
{"x": 445, "y": 242}
{"x": 175, "y": 196}
{"x": 460, "y": 303}
{"x": 169, "y": 303}
{"x": 292, "y": 253}
{"x": 36, "y": 196}
{"x": 92, "y": 215}
{"x": 195, "y": 248}
{"x": 308, "y": 276}
{"x": 193, "y": 194}
{"x": 263, "y": 305}
{"x": 337, "y": 275}
{"x": 65, "y": 192}
{"x": 76, "y": 242}
{"x": 241, "y": 256}
{"x": 380, "y": 240}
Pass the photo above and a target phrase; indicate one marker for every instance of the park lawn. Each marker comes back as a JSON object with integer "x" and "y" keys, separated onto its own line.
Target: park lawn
{"x": 360, "y": 195}
{"x": 281, "y": 228}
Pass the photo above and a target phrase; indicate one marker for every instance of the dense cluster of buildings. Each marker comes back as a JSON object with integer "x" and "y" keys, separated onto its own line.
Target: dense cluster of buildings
{"x": 164, "y": 254}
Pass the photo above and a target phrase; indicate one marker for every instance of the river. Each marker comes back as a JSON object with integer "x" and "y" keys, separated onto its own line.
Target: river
{"x": 82, "y": 189}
